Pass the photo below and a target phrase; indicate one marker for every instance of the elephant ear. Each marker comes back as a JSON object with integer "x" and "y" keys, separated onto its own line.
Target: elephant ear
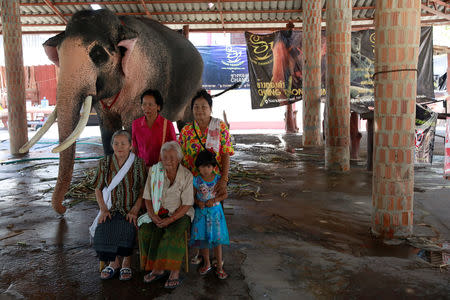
{"x": 128, "y": 38}
{"x": 129, "y": 46}
{"x": 50, "y": 47}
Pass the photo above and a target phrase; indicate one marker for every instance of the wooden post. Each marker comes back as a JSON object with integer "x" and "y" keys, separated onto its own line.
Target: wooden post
{"x": 12, "y": 41}
{"x": 369, "y": 128}
{"x": 289, "y": 114}
{"x": 355, "y": 135}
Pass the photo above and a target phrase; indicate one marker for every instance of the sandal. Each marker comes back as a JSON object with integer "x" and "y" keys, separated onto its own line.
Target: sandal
{"x": 110, "y": 271}
{"x": 221, "y": 274}
{"x": 148, "y": 278}
{"x": 204, "y": 270}
{"x": 214, "y": 262}
{"x": 125, "y": 271}
{"x": 196, "y": 260}
{"x": 173, "y": 283}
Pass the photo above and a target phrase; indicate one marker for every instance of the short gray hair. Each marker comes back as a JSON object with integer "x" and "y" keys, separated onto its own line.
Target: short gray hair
{"x": 121, "y": 132}
{"x": 172, "y": 145}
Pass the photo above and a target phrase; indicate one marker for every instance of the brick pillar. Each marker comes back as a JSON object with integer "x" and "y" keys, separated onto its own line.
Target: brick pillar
{"x": 397, "y": 30}
{"x": 337, "y": 135}
{"x": 12, "y": 41}
{"x": 312, "y": 79}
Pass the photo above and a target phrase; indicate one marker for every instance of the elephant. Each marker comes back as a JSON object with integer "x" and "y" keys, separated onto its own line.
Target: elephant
{"x": 108, "y": 61}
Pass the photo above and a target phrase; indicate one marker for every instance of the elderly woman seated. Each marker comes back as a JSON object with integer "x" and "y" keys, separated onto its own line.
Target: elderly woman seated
{"x": 169, "y": 198}
{"x": 119, "y": 184}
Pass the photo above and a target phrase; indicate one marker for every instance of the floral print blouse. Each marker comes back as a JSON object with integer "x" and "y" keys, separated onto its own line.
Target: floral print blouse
{"x": 191, "y": 146}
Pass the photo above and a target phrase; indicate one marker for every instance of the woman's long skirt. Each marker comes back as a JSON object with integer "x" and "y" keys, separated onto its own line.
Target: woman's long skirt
{"x": 114, "y": 237}
{"x": 163, "y": 248}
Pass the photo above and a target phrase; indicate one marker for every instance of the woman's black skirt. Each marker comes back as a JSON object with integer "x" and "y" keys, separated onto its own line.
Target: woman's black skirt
{"x": 114, "y": 237}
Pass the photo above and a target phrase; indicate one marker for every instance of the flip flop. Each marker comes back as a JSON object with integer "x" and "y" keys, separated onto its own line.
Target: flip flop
{"x": 125, "y": 271}
{"x": 204, "y": 271}
{"x": 111, "y": 272}
{"x": 157, "y": 277}
{"x": 177, "y": 282}
{"x": 196, "y": 260}
{"x": 221, "y": 274}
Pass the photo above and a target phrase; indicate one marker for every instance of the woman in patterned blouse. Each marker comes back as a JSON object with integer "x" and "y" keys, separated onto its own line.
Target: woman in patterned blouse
{"x": 194, "y": 138}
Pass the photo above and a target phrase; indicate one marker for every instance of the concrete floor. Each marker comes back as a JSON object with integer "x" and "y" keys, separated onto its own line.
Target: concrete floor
{"x": 297, "y": 232}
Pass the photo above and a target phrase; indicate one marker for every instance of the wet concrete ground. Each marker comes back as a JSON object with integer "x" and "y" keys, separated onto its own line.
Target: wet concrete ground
{"x": 296, "y": 230}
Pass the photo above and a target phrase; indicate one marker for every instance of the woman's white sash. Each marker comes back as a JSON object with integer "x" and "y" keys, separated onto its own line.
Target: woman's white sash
{"x": 106, "y": 192}
{"x": 213, "y": 138}
{"x": 156, "y": 185}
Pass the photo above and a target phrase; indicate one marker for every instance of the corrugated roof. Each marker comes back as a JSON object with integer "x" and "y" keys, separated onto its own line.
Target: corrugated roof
{"x": 40, "y": 16}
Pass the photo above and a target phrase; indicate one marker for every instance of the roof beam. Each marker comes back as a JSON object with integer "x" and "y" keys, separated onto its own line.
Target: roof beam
{"x": 147, "y": 12}
{"x": 55, "y": 10}
{"x": 435, "y": 12}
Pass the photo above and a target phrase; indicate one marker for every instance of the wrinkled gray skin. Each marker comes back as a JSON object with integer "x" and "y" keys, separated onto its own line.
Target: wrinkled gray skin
{"x": 93, "y": 63}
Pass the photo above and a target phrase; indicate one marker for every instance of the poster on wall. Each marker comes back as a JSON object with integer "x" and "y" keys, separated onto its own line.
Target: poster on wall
{"x": 224, "y": 66}
{"x": 275, "y": 69}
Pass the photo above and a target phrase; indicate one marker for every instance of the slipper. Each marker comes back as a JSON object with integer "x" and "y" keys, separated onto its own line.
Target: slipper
{"x": 125, "y": 271}
{"x": 214, "y": 262}
{"x": 204, "y": 271}
{"x": 221, "y": 274}
{"x": 111, "y": 272}
{"x": 177, "y": 282}
{"x": 196, "y": 260}
{"x": 155, "y": 278}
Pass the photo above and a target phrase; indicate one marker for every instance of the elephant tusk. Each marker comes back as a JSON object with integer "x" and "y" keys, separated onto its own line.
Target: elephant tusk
{"x": 87, "y": 105}
{"x": 50, "y": 120}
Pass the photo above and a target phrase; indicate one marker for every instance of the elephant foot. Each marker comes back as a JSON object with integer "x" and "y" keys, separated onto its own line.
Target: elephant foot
{"x": 60, "y": 209}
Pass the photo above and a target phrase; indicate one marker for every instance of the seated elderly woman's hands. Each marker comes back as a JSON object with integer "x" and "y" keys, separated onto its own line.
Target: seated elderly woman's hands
{"x": 104, "y": 214}
{"x": 132, "y": 215}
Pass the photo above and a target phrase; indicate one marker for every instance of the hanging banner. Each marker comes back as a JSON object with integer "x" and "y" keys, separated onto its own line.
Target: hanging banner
{"x": 424, "y": 135}
{"x": 275, "y": 69}
{"x": 224, "y": 66}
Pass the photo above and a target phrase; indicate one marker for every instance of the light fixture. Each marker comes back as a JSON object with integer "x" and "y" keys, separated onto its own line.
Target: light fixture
{"x": 95, "y": 6}
{"x": 210, "y": 5}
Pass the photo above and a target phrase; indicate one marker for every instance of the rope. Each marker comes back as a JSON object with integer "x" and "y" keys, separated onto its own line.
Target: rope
{"x": 390, "y": 71}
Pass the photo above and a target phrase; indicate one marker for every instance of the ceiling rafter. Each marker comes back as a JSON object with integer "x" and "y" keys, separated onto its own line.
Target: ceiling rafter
{"x": 55, "y": 10}
{"x": 147, "y": 12}
{"x": 435, "y": 12}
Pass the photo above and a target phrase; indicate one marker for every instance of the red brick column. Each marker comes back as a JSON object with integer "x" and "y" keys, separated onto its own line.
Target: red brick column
{"x": 397, "y": 29}
{"x": 312, "y": 18}
{"x": 12, "y": 41}
{"x": 337, "y": 130}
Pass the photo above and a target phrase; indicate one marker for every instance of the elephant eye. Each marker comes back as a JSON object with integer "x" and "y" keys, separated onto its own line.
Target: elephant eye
{"x": 98, "y": 55}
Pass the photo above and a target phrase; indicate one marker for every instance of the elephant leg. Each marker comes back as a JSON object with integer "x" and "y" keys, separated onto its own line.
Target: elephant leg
{"x": 109, "y": 123}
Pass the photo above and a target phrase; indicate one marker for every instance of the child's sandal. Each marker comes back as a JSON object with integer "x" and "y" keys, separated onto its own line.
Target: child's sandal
{"x": 221, "y": 274}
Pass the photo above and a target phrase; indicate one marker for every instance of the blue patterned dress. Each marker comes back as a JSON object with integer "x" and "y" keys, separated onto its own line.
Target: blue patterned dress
{"x": 209, "y": 228}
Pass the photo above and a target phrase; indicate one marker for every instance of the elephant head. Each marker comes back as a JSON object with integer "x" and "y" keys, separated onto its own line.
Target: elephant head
{"x": 92, "y": 61}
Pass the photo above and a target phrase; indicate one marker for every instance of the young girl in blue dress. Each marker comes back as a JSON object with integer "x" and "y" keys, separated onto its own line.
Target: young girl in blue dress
{"x": 209, "y": 228}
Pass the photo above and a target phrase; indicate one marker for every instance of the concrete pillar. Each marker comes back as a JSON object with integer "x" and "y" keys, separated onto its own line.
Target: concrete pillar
{"x": 397, "y": 30}
{"x": 12, "y": 40}
{"x": 312, "y": 79}
{"x": 337, "y": 150}
{"x": 369, "y": 129}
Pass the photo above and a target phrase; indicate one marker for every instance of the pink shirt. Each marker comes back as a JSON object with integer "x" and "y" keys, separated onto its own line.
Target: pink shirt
{"x": 147, "y": 141}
